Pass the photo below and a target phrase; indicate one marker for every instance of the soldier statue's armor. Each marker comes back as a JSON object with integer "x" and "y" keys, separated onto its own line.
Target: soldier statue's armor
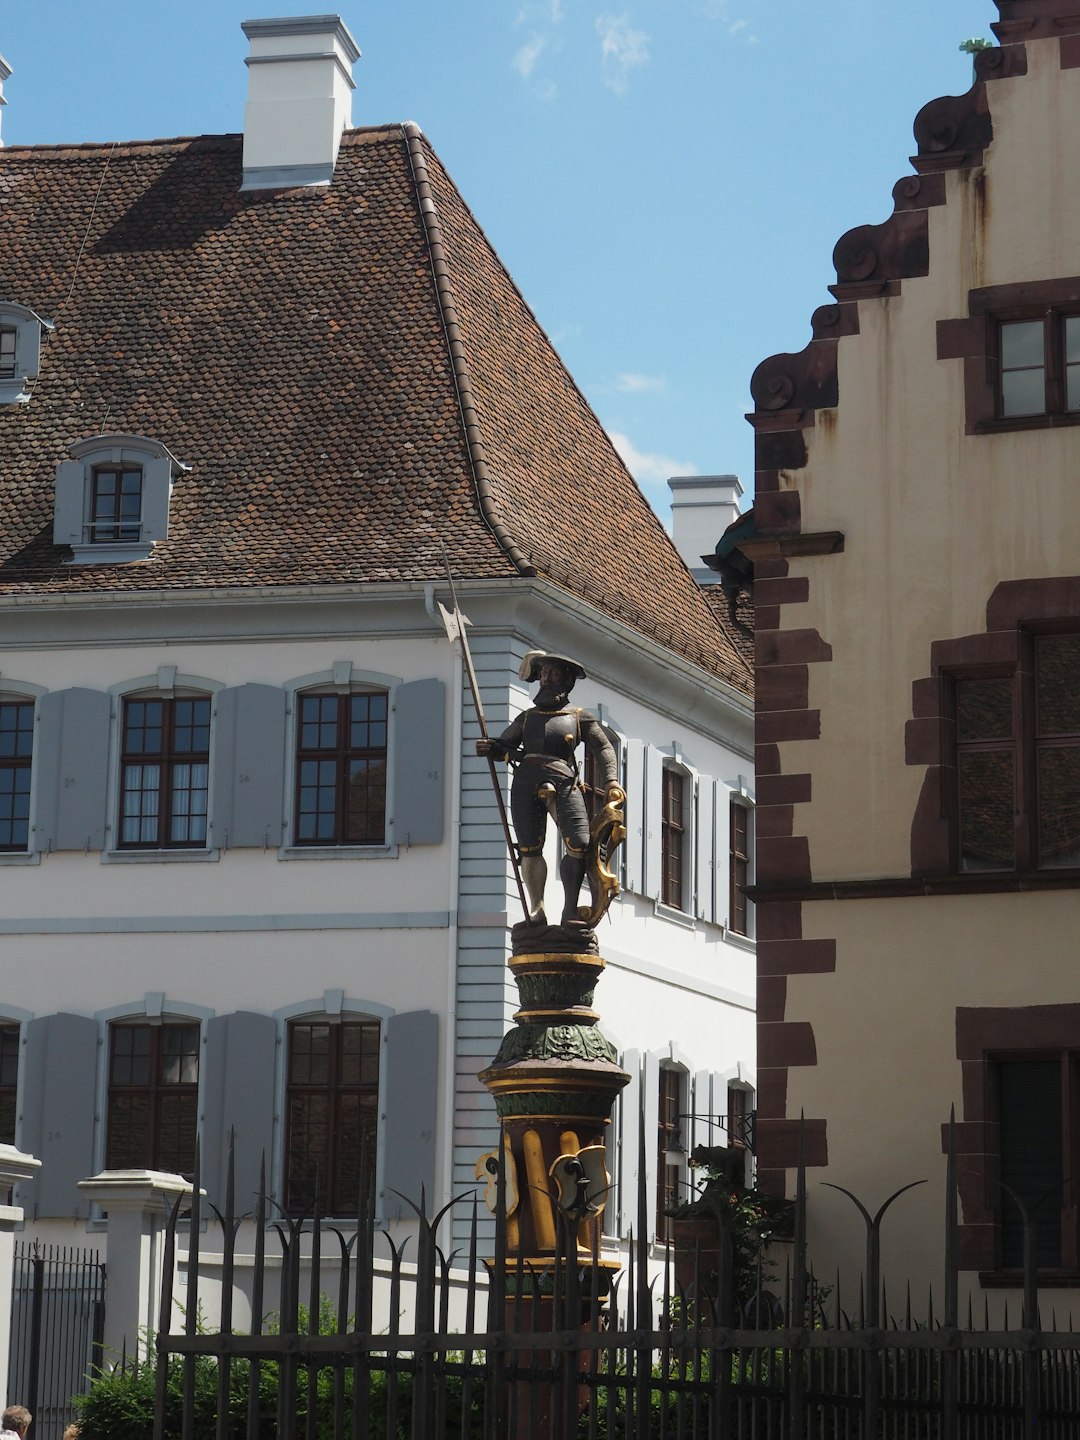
{"x": 543, "y": 741}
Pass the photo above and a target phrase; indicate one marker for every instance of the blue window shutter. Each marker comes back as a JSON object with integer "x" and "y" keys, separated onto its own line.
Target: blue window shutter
{"x": 629, "y": 1143}
{"x": 635, "y": 815}
{"x": 419, "y": 769}
{"x": 238, "y": 1086}
{"x": 650, "y": 1087}
{"x": 249, "y": 766}
{"x": 654, "y": 802}
{"x": 57, "y": 1105}
{"x": 71, "y": 761}
{"x": 157, "y": 480}
{"x": 70, "y": 503}
{"x": 706, "y": 849}
{"x": 410, "y": 1107}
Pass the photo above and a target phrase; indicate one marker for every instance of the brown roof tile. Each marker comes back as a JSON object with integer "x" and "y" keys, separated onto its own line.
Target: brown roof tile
{"x": 292, "y": 347}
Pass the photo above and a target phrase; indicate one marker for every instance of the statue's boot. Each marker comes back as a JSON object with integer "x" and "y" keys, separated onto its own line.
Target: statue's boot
{"x": 534, "y": 876}
{"x": 572, "y": 873}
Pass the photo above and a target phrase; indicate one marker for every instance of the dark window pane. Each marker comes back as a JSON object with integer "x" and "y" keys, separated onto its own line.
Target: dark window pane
{"x": 7, "y": 353}
{"x": 129, "y": 1115}
{"x": 344, "y": 801}
{"x": 984, "y": 709}
{"x": 153, "y": 1096}
{"x": 332, "y": 1112}
{"x": 986, "y": 810}
{"x": 1032, "y": 1166}
{"x": 1058, "y": 684}
{"x": 1059, "y": 806}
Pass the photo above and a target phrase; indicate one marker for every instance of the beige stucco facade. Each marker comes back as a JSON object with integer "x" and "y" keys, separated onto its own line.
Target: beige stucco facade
{"x": 912, "y": 508}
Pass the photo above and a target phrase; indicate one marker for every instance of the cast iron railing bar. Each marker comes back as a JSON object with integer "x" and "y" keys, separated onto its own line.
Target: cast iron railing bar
{"x": 168, "y": 1272}
{"x": 393, "y": 1353}
{"x": 257, "y": 1298}
{"x": 797, "y": 1307}
{"x": 362, "y": 1314}
{"x": 314, "y": 1317}
{"x": 228, "y": 1226}
{"x": 37, "y": 1303}
{"x": 191, "y": 1301}
{"x": 344, "y": 1276}
{"x": 470, "y": 1321}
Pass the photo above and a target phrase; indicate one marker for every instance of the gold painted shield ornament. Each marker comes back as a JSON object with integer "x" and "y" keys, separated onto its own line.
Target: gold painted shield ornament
{"x": 606, "y": 834}
{"x": 487, "y": 1169}
{"x": 583, "y": 1182}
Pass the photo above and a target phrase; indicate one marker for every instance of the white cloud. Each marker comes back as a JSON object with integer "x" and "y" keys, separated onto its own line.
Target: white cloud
{"x": 632, "y": 384}
{"x": 649, "y": 469}
{"x": 622, "y": 49}
{"x": 737, "y": 28}
{"x": 524, "y": 62}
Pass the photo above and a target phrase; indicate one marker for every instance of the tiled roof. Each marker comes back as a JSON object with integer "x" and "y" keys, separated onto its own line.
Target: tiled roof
{"x": 310, "y": 354}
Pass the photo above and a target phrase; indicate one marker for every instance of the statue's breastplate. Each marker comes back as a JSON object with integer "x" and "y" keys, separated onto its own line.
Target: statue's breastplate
{"x": 551, "y": 735}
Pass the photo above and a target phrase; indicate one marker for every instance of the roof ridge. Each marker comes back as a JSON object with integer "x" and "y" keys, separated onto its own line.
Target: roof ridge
{"x": 414, "y": 138}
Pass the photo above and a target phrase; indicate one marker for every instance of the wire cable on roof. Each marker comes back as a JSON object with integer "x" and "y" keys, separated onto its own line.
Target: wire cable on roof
{"x": 78, "y": 262}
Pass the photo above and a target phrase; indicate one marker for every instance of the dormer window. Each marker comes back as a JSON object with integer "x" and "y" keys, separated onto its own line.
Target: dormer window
{"x": 8, "y": 335}
{"x": 112, "y": 498}
{"x": 20, "y": 351}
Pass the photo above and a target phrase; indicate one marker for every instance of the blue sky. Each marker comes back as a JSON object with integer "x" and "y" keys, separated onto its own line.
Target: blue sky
{"x": 665, "y": 179}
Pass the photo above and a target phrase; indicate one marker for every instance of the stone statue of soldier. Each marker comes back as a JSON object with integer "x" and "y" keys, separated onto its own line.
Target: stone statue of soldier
{"x": 542, "y": 743}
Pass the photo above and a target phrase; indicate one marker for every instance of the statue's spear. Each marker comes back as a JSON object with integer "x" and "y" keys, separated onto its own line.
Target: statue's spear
{"x": 455, "y": 623}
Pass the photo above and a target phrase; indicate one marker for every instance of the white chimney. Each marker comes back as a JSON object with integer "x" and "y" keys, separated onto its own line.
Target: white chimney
{"x": 5, "y": 71}
{"x": 702, "y": 507}
{"x": 299, "y": 99}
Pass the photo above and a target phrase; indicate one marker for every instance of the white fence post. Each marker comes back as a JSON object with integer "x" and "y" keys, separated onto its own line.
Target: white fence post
{"x": 15, "y": 1169}
{"x": 138, "y": 1203}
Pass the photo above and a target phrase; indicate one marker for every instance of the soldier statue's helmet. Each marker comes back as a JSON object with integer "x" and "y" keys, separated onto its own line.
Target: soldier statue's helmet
{"x": 529, "y": 669}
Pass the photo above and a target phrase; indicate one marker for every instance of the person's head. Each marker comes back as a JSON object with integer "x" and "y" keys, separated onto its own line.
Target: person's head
{"x": 17, "y": 1418}
{"x": 554, "y": 673}
{"x": 555, "y": 676}
{"x": 71, "y": 1433}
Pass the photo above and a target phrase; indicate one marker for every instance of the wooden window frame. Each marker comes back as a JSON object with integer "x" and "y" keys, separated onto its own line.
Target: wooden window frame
{"x": 1026, "y": 745}
{"x": 16, "y": 768}
{"x": 340, "y": 756}
{"x": 157, "y": 1091}
{"x": 10, "y": 1038}
{"x": 115, "y": 528}
{"x": 738, "y": 868}
{"x": 1068, "y": 1260}
{"x": 669, "y": 1108}
{"x": 300, "y": 1194}
{"x": 674, "y": 829}
{"x": 9, "y": 347}
{"x": 166, "y": 759}
{"x": 1054, "y": 367}
{"x": 976, "y": 340}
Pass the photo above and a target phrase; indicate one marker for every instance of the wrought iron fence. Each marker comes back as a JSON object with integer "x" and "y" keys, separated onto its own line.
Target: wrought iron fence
{"x": 542, "y": 1356}
{"x": 57, "y": 1325}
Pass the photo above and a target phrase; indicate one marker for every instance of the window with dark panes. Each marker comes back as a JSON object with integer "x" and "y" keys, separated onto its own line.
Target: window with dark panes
{"x": 153, "y": 1101}
{"x": 16, "y": 754}
{"x": 739, "y": 841}
{"x": 1039, "y": 1138}
{"x": 165, "y": 773}
{"x": 1039, "y": 371}
{"x": 1018, "y": 762}
{"x": 331, "y": 1115}
{"x": 341, "y": 769}
{"x": 739, "y": 1121}
{"x": 673, "y": 838}
{"x": 8, "y": 337}
{"x": 116, "y": 503}
{"x": 668, "y": 1175}
{"x": 985, "y": 764}
{"x": 9, "y": 1077}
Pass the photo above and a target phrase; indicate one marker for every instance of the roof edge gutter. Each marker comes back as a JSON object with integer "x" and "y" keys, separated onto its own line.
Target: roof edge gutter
{"x": 448, "y": 309}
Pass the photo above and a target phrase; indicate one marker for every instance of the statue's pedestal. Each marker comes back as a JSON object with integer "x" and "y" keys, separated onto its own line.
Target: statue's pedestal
{"x": 554, "y": 1082}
